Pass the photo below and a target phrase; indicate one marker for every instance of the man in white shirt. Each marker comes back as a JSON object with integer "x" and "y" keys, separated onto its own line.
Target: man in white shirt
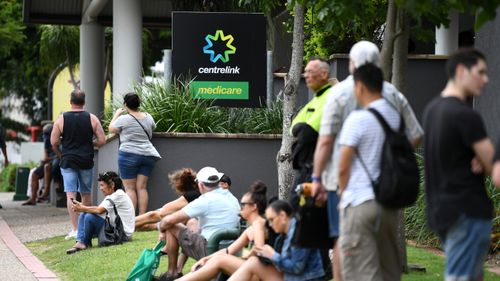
{"x": 340, "y": 103}
{"x": 368, "y": 231}
{"x": 215, "y": 209}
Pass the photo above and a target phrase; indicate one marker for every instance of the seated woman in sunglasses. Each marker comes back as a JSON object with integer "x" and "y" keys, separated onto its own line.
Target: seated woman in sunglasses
{"x": 288, "y": 264}
{"x": 91, "y": 218}
{"x": 253, "y": 205}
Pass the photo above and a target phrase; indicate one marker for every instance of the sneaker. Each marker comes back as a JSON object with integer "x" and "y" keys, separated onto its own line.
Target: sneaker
{"x": 71, "y": 235}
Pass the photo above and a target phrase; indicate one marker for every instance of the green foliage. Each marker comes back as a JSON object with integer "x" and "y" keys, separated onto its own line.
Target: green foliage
{"x": 11, "y": 31}
{"x": 60, "y": 44}
{"x": 8, "y": 178}
{"x": 415, "y": 216}
{"x": 174, "y": 109}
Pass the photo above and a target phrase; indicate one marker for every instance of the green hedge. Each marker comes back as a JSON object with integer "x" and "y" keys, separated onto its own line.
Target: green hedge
{"x": 415, "y": 216}
{"x": 8, "y": 178}
{"x": 175, "y": 110}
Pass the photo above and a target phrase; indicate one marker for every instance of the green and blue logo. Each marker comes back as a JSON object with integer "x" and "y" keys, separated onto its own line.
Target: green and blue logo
{"x": 219, "y": 35}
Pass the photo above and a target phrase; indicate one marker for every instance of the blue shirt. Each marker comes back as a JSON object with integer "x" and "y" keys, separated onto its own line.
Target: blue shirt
{"x": 215, "y": 210}
{"x": 297, "y": 264}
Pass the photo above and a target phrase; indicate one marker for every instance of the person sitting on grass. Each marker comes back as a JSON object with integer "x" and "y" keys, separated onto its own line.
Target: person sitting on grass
{"x": 288, "y": 264}
{"x": 183, "y": 182}
{"x": 253, "y": 205}
{"x": 91, "y": 218}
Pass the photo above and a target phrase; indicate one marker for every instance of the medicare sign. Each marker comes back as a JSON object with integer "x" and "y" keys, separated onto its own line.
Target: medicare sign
{"x": 224, "y": 54}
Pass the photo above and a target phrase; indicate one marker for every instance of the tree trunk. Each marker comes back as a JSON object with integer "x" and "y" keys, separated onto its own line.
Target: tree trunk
{"x": 292, "y": 79}
{"x": 388, "y": 45}
{"x": 399, "y": 67}
{"x": 400, "y": 58}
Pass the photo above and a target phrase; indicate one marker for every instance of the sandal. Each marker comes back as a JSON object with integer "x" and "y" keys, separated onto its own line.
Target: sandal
{"x": 73, "y": 250}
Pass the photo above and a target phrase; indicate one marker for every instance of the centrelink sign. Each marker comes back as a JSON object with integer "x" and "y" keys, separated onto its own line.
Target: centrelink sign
{"x": 224, "y": 54}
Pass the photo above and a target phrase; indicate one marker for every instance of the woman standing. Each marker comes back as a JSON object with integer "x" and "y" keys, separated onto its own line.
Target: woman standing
{"x": 137, "y": 155}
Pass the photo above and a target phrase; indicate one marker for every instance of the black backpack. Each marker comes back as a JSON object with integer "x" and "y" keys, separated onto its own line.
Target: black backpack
{"x": 398, "y": 184}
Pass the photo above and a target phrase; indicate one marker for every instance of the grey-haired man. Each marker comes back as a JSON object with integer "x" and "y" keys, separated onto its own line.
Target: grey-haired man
{"x": 340, "y": 103}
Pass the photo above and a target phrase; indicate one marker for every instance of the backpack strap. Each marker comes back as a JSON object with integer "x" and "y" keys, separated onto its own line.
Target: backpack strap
{"x": 114, "y": 206}
{"x": 384, "y": 124}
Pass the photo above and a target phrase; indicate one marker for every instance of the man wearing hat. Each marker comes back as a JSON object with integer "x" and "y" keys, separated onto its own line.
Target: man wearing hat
{"x": 215, "y": 209}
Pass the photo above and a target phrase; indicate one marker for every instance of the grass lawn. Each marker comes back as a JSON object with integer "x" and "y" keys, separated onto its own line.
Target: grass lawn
{"x": 114, "y": 263}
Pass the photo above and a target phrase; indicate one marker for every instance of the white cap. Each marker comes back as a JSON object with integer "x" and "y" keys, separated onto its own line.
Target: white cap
{"x": 208, "y": 175}
{"x": 364, "y": 52}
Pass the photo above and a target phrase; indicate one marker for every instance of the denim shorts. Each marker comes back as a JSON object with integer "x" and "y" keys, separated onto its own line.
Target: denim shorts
{"x": 130, "y": 165}
{"x": 333, "y": 213}
{"x": 77, "y": 180}
{"x": 466, "y": 245}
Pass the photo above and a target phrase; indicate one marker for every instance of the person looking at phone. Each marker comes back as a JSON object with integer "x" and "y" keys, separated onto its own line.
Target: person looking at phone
{"x": 289, "y": 264}
{"x": 253, "y": 205}
{"x": 91, "y": 218}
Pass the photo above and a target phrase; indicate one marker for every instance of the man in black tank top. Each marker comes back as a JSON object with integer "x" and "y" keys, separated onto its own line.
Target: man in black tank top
{"x": 75, "y": 130}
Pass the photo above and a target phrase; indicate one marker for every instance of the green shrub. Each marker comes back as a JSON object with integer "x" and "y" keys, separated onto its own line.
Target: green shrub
{"x": 8, "y": 178}
{"x": 415, "y": 216}
{"x": 175, "y": 110}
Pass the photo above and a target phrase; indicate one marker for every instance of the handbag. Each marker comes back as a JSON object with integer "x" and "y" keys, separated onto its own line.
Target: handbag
{"x": 311, "y": 230}
{"x": 147, "y": 264}
{"x": 109, "y": 234}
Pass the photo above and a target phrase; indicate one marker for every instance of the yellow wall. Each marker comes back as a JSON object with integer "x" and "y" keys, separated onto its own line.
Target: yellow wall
{"x": 62, "y": 90}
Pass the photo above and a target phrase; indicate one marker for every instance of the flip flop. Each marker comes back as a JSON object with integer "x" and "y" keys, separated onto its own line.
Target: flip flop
{"x": 73, "y": 250}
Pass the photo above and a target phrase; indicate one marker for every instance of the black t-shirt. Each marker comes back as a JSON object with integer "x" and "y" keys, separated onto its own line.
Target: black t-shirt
{"x": 191, "y": 195}
{"x": 451, "y": 128}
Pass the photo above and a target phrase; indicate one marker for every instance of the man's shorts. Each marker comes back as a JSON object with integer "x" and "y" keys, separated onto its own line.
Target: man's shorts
{"x": 130, "y": 165}
{"x": 77, "y": 180}
{"x": 333, "y": 213}
{"x": 193, "y": 244}
{"x": 466, "y": 245}
{"x": 39, "y": 171}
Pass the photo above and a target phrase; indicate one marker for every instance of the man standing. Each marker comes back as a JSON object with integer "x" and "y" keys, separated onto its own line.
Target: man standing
{"x": 340, "y": 103}
{"x": 77, "y": 128}
{"x": 215, "y": 209}
{"x": 458, "y": 207}
{"x": 305, "y": 125}
{"x": 368, "y": 231}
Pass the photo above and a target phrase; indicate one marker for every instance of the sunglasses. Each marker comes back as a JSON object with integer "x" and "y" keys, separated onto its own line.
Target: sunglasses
{"x": 242, "y": 204}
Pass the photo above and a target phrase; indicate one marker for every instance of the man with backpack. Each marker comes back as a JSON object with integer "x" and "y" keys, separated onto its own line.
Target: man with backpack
{"x": 368, "y": 230}
{"x": 340, "y": 103}
{"x": 456, "y": 143}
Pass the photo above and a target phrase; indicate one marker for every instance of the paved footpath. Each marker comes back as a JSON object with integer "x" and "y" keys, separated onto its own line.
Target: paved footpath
{"x": 20, "y": 224}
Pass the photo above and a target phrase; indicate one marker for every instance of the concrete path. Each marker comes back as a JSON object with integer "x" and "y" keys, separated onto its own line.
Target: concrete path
{"x": 20, "y": 224}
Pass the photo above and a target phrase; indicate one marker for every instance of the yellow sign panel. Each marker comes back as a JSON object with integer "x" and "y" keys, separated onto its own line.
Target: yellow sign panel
{"x": 62, "y": 89}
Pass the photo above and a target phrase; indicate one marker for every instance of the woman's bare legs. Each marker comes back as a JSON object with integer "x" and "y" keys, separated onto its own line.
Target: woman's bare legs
{"x": 142, "y": 193}
{"x": 255, "y": 267}
{"x": 130, "y": 189}
{"x": 219, "y": 262}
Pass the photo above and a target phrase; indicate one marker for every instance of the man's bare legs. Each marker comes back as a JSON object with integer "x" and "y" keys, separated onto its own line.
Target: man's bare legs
{"x": 337, "y": 276}
{"x": 73, "y": 216}
{"x": 47, "y": 169}
{"x": 172, "y": 247}
{"x": 34, "y": 189}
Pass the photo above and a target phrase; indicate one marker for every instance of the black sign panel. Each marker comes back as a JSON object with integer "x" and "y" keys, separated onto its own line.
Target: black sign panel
{"x": 225, "y": 54}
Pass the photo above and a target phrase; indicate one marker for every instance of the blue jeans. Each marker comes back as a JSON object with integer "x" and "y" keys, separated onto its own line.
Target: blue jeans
{"x": 89, "y": 226}
{"x": 466, "y": 245}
